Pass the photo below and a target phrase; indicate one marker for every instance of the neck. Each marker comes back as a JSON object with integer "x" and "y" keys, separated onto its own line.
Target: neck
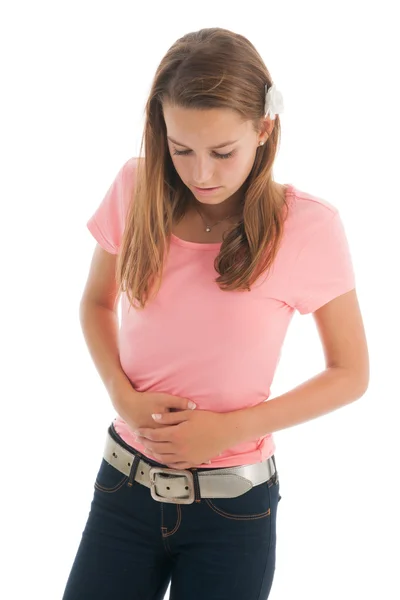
{"x": 216, "y": 212}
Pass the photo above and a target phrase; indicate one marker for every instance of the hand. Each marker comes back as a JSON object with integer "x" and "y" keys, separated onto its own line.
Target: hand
{"x": 188, "y": 438}
{"x": 143, "y": 404}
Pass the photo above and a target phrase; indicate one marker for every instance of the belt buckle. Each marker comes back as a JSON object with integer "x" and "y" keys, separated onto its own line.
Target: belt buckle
{"x": 183, "y": 473}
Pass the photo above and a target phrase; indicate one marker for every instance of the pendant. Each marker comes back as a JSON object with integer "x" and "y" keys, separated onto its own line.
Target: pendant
{"x": 208, "y": 229}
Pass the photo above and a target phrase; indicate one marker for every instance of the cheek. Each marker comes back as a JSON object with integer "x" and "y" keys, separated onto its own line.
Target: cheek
{"x": 236, "y": 170}
{"x": 180, "y": 167}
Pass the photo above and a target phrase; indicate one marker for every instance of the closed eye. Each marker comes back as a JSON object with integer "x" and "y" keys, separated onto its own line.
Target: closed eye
{"x": 186, "y": 152}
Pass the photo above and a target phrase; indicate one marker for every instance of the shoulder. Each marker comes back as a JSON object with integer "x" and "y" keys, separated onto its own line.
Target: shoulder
{"x": 306, "y": 204}
{"x": 130, "y": 167}
{"x": 129, "y": 175}
{"x": 307, "y": 213}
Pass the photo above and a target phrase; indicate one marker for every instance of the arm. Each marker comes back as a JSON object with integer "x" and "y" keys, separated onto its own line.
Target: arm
{"x": 99, "y": 322}
{"x": 327, "y": 391}
{"x": 344, "y": 380}
{"x": 100, "y": 329}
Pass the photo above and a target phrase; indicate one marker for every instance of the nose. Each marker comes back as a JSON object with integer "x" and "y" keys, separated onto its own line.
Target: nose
{"x": 202, "y": 172}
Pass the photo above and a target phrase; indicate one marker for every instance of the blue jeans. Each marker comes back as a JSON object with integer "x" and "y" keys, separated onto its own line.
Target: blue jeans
{"x": 133, "y": 546}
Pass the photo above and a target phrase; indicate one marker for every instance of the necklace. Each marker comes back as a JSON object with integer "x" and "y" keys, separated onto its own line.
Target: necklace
{"x": 209, "y": 227}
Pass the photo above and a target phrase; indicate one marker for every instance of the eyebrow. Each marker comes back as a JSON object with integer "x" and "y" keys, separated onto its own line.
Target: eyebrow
{"x": 212, "y": 148}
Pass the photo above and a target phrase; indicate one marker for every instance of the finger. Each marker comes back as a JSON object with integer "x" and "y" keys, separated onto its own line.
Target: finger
{"x": 177, "y": 403}
{"x": 172, "y": 418}
{"x": 168, "y": 459}
{"x": 159, "y": 448}
{"x": 149, "y": 434}
{"x": 162, "y": 434}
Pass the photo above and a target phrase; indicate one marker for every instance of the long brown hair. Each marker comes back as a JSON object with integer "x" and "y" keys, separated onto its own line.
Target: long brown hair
{"x": 210, "y": 68}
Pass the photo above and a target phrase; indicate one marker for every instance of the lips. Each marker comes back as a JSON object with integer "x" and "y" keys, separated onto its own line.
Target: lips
{"x": 209, "y": 188}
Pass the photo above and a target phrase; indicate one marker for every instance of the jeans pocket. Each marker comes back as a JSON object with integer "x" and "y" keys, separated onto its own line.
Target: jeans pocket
{"x": 109, "y": 479}
{"x": 250, "y": 506}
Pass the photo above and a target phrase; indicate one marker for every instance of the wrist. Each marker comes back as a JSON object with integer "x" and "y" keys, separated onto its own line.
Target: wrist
{"x": 244, "y": 425}
{"x": 120, "y": 387}
{"x": 123, "y": 396}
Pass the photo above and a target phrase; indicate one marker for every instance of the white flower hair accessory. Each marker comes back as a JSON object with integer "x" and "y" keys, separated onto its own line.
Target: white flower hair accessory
{"x": 273, "y": 101}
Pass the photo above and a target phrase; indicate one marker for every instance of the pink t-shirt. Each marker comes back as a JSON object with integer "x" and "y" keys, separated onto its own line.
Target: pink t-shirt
{"x": 221, "y": 349}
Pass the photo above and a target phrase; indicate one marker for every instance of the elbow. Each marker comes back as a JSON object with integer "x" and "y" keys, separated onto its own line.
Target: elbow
{"x": 360, "y": 383}
{"x": 362, "y": 388}
{"x": 365, "y": 386}
{"x": 362, "y": 379}
{"x": 357, "y": 382}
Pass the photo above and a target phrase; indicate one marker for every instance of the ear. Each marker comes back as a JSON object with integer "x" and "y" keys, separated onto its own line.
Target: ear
{"x": 267, "y": 128}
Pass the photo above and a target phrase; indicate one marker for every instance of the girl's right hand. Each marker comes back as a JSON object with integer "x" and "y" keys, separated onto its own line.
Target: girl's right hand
{"x": 144, "y": 404}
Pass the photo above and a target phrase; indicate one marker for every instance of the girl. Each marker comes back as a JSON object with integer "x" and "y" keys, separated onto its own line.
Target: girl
{"x": 211, "y": 258}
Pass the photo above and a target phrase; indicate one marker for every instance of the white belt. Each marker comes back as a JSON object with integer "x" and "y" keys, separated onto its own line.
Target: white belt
{"x": 177, "y": 486}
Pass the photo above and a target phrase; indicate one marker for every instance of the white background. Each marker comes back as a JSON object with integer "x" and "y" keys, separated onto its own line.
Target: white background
{"x": 75, "y": 77}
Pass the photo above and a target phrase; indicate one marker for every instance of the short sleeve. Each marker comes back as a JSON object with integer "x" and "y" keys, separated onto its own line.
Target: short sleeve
{"x": 323, "y": 269}
{"x": 108, "y": 221}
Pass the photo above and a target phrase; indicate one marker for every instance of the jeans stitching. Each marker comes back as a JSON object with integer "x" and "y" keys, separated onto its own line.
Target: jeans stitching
{"x": 237, "y": 517}
{"x": 271, "y": 482}
{"x": 112, "y": 489}
{"x": 163, "y": 535}
{"x": 178, "y": 522}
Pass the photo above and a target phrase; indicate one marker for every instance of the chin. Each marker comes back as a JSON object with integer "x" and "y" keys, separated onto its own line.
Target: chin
{"x": 212, "y": 199}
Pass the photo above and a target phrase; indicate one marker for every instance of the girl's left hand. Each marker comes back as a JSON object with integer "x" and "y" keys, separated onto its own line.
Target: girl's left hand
{"x": 189, "y": 439}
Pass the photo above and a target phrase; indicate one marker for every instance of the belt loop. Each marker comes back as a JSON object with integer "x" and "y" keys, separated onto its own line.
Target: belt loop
{"x": 276, "y": 470}
{"x": 196, "y": 485}
{"x": 133, "y": 471}
{"x": 273, "y": 459}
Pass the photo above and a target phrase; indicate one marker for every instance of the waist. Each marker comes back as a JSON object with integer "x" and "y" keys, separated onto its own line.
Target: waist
{"x": 241, "y": 454}
{"x": 186, "y": 485}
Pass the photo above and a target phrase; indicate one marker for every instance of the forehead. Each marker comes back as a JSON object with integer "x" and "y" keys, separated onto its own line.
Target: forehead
{"x": 209, "y": 126}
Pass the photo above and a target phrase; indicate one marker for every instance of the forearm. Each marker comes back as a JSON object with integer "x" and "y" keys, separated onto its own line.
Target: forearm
{"x": 327, "y": 391}
{"x": 100, "y": 329}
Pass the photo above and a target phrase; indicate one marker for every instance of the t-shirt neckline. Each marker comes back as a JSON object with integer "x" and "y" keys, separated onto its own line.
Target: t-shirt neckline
{"x": 214, "y": 245}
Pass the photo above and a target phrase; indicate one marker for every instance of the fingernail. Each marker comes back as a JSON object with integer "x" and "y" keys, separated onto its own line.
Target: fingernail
{"x": 156, "y": 416}
{"x": 192, "y": 404}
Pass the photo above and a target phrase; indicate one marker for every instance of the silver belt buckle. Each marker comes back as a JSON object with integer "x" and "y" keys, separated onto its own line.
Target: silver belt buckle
{"x": 189, "y": 476}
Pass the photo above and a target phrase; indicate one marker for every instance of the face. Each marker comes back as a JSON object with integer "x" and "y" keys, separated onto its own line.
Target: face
{"x": 197, "y": 157}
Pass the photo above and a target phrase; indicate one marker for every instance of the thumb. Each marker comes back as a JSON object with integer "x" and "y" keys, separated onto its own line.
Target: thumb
{"x": 172, "y": 418}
